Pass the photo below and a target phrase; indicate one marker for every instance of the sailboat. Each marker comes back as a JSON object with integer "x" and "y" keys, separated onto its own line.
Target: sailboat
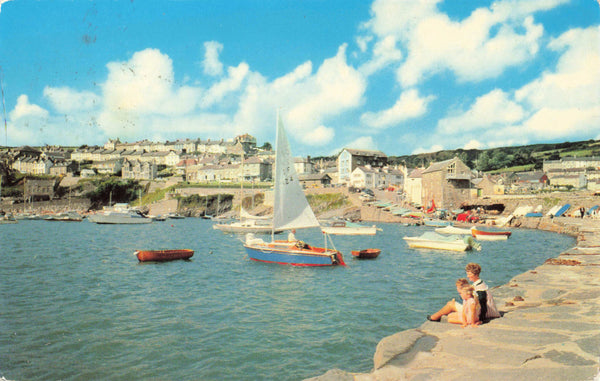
{"x": 290, "y": 211}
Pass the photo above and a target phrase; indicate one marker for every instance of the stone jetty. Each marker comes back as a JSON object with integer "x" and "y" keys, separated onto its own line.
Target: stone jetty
{"x": 550, "y": 328}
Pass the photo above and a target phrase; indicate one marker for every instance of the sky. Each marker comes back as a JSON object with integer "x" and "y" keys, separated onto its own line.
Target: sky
{"x": 402, "y": 77}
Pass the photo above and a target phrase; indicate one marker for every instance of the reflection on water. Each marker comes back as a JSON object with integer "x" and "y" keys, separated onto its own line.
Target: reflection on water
{"x": 77, "y": 305}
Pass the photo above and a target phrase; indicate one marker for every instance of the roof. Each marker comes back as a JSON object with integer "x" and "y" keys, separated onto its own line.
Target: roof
{"x": 416, "y": 173}
{"x": 313, "y": 177}
{"x": 439, "y": 166}
{"x": 364, "y": 152}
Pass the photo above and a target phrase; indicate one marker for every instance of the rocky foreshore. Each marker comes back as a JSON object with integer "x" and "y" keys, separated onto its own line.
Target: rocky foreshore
{"x": 550, "y": 328}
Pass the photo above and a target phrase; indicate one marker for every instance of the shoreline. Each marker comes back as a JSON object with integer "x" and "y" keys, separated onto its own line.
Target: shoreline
{"x": 550, "y": 328}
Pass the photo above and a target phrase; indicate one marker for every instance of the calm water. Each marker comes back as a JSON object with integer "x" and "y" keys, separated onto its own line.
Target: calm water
{"x": 75, "y": 304}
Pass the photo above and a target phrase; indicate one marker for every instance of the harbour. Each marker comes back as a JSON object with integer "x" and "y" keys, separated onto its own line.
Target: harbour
{"x": 77, "y": 304}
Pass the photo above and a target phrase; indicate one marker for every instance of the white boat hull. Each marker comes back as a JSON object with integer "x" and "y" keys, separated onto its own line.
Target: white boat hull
{"x": 453, "y": 230}
{"x": 490, "y": 237}
{"x": 237, "y": 227}
{"x": 116, "y": 219}
{"x": 419, "y": 243}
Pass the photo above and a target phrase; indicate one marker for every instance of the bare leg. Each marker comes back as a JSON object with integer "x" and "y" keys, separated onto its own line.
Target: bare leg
{"x": 447, "y": 309}
{"x": 454, "y": 318}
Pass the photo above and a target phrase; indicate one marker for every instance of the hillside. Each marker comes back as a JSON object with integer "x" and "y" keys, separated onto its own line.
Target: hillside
{"x": 521, "y": 158}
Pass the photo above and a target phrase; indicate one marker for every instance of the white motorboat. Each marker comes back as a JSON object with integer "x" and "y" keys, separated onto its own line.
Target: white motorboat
{"x": 431, "y": 240}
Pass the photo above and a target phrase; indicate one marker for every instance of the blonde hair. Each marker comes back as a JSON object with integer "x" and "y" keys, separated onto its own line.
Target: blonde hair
{"x": 473, "y": 268}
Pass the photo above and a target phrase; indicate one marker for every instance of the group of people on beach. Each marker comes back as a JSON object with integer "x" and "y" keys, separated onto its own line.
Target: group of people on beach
{"x": 477, "y": 302}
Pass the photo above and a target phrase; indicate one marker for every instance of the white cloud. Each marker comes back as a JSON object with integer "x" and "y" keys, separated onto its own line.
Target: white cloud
{"x": 212, "y": 65}
{"x": 363, "y": 142}
{"x": 65, "y": 100}
{"x": 306, "y": 99}
{"x": 566, "y": 102}
{"x": 576, "y": 80}
{"x": 2, "y": 2}
{"x": 142, "y": 87}
{"x": 468, "y": 49}
{"x": 24, "y": 109}
{"x": 478, "y": 47}
{"x": 409, "y": 105}
{"x": 233, "y": 82}
{"x": 491, "y": 110}
{"x": 473, "y": 144}
{"x": 363, "y": 42}
{"x": 550, "y": 123}
{"x": 384, "y": 53}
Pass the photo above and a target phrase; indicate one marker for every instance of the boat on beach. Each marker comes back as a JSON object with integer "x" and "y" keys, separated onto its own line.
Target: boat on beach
{"x": 290, "y": 211}
{"x": 490, "y": 235}
{"x": 431, "y": 240}
{"x": 366, "y": 253}
{"x": 163, "y": 255}
{"x": 341, "y": 227}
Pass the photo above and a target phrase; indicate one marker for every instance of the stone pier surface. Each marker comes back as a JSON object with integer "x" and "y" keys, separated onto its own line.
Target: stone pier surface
{"x": 550, "y": 329}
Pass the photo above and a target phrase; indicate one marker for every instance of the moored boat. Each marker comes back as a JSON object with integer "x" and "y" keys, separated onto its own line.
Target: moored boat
{"x": 248, "y": 225}
{"x": 366, "y": 253}
{"x": 431, "y": 240}
{"x": 290, "y": 211}
{"x": 489, "y": 235}
{"x": 453, "y": 230}
{"x": 163, "y": 255}
{"x": 119, "y": 214}
{"x": 341, "y": 227}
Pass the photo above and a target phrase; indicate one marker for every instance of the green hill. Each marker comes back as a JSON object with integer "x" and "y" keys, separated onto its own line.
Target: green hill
{"x": 516, "y": 158}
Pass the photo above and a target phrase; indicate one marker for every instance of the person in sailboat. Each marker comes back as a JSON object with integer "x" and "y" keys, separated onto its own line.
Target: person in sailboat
{"x": 292, "y": 236}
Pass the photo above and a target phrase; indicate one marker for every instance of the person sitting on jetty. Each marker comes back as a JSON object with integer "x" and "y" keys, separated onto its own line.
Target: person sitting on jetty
{"x": 486, "y": 301}
{"x": 453, "y": 308}
{"x": 471, "y": 307}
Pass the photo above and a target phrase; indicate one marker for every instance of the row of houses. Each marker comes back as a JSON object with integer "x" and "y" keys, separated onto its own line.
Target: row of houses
{"x": 448, "y": 182}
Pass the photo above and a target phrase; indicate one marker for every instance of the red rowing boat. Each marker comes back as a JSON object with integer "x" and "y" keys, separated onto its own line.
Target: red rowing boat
{"x": 163, "y": 255}
{"x": 366, "y": 253}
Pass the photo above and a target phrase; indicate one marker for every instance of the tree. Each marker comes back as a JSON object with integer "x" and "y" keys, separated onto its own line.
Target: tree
{"x": 267, "y": 146}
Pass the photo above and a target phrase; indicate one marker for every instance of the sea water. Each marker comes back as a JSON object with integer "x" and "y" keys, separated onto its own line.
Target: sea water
{"x": 75, "y": 304}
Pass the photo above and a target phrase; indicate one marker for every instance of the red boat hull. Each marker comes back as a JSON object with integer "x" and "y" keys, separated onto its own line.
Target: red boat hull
{"x": 163, "y": 255}
{"x": 366, "y": 253}
{"x": 489, "y": 233}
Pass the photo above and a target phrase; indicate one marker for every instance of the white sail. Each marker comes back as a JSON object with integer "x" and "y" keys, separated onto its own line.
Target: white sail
{"x": 245, "y": 215}
{"x": 291, "y": 209}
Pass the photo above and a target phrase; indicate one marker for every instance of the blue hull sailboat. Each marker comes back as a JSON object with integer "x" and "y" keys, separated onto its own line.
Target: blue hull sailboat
{"x": 290, "y": 211}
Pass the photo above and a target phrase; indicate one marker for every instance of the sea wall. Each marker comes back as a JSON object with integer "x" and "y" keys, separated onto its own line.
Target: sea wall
{"x": 550, "y": 328}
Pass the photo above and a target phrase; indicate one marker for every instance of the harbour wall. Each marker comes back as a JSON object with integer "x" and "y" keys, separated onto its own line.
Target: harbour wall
{"x": 549, "y": 329}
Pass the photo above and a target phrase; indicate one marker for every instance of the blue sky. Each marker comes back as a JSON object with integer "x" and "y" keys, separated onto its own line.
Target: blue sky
{"x": 400, "y": 76}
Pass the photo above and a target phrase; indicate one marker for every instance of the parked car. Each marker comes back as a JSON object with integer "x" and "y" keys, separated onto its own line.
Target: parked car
{"x": 369, "y": 192}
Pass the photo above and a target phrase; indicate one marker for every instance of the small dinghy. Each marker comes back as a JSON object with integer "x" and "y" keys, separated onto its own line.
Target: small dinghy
{"x": 163, "y": 255}
{"x": 366, "y": 253}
